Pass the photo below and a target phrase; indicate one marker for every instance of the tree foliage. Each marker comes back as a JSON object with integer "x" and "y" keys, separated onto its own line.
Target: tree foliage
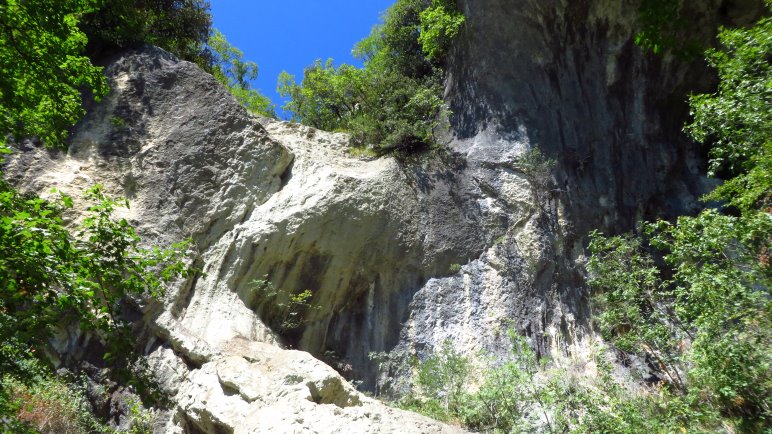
{"x": 393, "y": 45}
{"x": 510, "y": 398}
{"x": 703, "y": 312}
{"x": 181, "y": 27}
{"x": 52, "y": 274}
{"x": 705, "y": 325}
{"x": 440, "y": 24}
{"x": 328, "y": 97}
{"x": 665, "y": 27}
{"x": 235, "y": 74}
{"x": 442, "y": 378}
{"x": 43, "y": 70}
{"x": 394, "y": 102}
{"x": 737, "y": 119}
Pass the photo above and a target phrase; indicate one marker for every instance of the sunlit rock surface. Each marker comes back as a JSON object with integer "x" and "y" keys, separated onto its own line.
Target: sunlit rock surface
{"x": 284, "y": 202}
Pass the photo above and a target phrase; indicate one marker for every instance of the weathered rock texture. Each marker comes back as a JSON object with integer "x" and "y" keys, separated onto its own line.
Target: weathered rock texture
{"x": 398, "y": 256}
{"x": 195, "y": 164}
{"x": 566, "y": 78}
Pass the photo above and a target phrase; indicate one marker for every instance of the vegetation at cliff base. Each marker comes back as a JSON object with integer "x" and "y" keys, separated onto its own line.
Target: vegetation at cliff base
{"x": 522, "y": 393}
{"x": 394, "y": 102}
{"x": 693, "y": 295}
{"x": 55, "y": 274}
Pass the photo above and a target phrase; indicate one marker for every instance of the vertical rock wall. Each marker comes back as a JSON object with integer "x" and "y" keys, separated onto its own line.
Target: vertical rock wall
{"x": 565, "y": 78}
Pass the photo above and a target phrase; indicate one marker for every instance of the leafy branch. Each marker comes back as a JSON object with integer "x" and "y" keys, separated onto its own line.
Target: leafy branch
{"x": 288, "y": 311}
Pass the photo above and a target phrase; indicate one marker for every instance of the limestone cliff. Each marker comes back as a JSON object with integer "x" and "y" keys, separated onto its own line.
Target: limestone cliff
{"x": 377, "y": 240}
{"x": 283, "y": 200}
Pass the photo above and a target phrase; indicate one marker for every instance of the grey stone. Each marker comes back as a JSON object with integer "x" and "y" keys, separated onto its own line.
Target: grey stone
{"x": 281, "y": 200}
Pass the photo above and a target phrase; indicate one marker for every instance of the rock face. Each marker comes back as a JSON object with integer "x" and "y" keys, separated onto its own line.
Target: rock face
{"x": 566, "y": 78}
{"x": 397, "y": 256}
{"x": 195, "y": 164}
{"x": 251, "y": 387}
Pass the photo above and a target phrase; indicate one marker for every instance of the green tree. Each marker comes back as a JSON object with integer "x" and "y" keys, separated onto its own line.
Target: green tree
{"x": 504, "y": 399}
{"x": 737, "y": 119}
{"x": 379, "y": 108}
{"x": 181, "y": 27}
{"x": 633, "y": 310}
{"x": 329, "y": 96}
{"x": 705, "y": 324}
{"x": 400, "y": 113}
{"x": 394, "y": 45}
{"x": 394, "y": 102}
{"x": 442, "y": 378}
{"x": 705, "y": 309}
{"x": 43, "y": 70}
{"x": 52, "y": 275}
{"x": 235, "y": 74}
{"x": 440, "y": 24}
{"x": 665, "y": 26}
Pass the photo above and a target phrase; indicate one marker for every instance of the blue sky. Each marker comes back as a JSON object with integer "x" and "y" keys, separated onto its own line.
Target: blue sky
{"x": 287, "y": 35}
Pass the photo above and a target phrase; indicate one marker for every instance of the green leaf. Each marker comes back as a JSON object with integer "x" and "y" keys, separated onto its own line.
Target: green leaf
{"x": 66, "y": 200}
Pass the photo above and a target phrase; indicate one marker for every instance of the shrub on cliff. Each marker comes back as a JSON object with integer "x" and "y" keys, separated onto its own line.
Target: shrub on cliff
{"x": 53, "y": 275}
{"x": 181, "y": 27}
{"x": 233, "y": 72}
{"x": 394, "y": 102}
